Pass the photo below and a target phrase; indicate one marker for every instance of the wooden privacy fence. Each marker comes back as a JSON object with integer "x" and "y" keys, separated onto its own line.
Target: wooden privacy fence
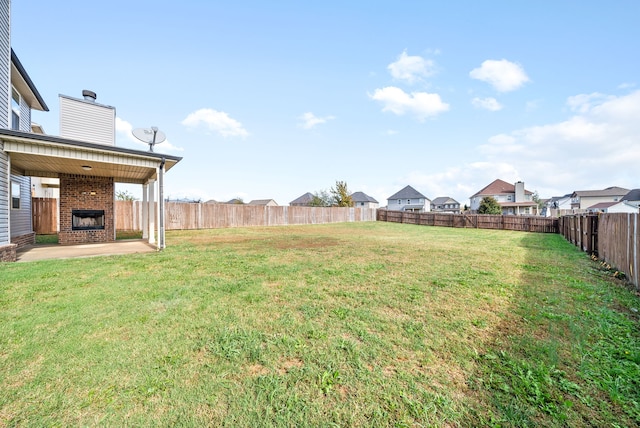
{"x": 181, "y": 216}
{"x": 45, "y": 215}
{"x": 477, "y": 221}
{"x": 614, "y": 238}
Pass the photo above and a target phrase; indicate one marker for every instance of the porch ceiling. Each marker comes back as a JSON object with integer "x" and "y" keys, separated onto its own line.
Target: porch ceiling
{"x": 45, "y": 156}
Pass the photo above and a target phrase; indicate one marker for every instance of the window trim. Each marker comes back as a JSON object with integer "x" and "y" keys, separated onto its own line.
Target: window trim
{"x": 16, "y": 200}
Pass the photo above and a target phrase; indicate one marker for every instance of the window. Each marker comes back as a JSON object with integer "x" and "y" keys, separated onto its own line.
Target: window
{"x": 399, "y": 202}
{"x": 15, "y": 110}
{"x": 409, "y": 201}
{"x": 15, "y": 195}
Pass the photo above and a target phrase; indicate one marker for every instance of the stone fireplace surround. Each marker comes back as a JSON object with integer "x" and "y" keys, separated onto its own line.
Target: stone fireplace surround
{"x": 81, "y": 192}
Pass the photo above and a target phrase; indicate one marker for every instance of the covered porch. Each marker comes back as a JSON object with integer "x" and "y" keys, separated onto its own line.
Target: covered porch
{"x": 88, "y": 173}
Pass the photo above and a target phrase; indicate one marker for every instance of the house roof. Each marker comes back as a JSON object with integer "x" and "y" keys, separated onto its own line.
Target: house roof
{"x": 602, "y": 205}
{"x": 41, "y": 155}
{"x": 262, "y": 202}
{"x": 21, "y": 80}
{"x": 407, "y": 193}
{"x": 304, "y": 199}
{"x": 442, "y": 200}
{"x": 499, "y": 187}
{"x": 633, "y": 195}
{"x": 362, "y": 197}
{"x": 609, "y": 191}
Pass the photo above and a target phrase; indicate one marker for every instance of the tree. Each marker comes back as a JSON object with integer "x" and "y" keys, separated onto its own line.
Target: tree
{"x": 321, "y": 198}
{"x": 341, "y": 195}
{"x": 124, "y": 195}
{"x": 489, "y": 205}
{"x": 537, "y": 200}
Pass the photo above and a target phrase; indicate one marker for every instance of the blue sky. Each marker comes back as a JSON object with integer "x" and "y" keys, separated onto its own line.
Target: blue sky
{"x": 270, "y": 100}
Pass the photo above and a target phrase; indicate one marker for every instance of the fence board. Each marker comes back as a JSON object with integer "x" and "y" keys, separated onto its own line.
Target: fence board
{"x": 183, "y": 216}
{"x": 614, "y": 238}
{"x": 479, "y": 221}
{"x": 45, "y": 215}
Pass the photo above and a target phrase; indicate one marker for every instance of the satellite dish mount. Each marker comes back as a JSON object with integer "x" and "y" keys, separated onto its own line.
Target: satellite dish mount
{"x": 151, "y": 136}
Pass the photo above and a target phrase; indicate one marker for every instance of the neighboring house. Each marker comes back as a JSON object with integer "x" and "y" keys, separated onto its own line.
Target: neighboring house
{"x": 409, "y": 199}
{"x": 264, "y": 202}
{"x": 514, "y": 199}
{"x": 362, "y": 200}
{"x": 87, "y": 170}
{"x": 235, "y": 201}
{"x": 583, "y": 199}
{"x": 557, "y": 205}
{"x": 613, "y": 207}
{"x": 302, "y": 201}
{"x": 632, "y": 198}
{"x": 445, "y": 204}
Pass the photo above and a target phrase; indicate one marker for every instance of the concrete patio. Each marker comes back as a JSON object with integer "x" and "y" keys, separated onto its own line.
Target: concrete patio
{"x": 56, "y": 251}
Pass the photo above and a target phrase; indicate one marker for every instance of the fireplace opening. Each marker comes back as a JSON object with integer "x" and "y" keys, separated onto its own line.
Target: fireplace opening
{"x": 87, "y": 220}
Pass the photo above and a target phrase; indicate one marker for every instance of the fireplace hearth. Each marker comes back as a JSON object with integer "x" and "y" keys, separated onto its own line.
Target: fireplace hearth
{"x": 87, "y": 220}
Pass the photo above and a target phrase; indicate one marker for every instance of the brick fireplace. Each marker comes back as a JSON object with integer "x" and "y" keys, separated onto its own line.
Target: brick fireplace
{"x": 86, "y": 209}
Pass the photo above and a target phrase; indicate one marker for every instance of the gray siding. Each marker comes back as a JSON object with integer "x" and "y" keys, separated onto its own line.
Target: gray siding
{"x": 4, "y": 199}
{"x": 5, "y": 63}
{"x": 5, "y": 93}
{"x": 21, "y": 218}
{"x": 25, "y": 115}
{"x": 87, "y": 121}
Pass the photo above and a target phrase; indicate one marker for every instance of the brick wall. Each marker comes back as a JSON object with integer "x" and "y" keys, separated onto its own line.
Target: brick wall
{"x": 23, "y": 240}
{"x": 81, "y": 192}
{"x": 8, "y": 253}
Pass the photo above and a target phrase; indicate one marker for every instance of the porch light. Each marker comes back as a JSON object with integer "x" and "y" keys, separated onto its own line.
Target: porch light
{"x": 86, "y": 167}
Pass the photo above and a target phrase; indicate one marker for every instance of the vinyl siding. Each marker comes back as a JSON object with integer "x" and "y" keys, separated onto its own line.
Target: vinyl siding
{"x": 5, "y": 64}
{"x": 87, "y": 121}
{"x": 21, "y": 218}
{"x": 25, "y": 115}
{"x": 4, "y": 199}
{"x": 5, "y": 93}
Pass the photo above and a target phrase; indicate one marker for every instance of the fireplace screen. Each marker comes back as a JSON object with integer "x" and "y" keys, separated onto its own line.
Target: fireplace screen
{"x": 87, "y": 220}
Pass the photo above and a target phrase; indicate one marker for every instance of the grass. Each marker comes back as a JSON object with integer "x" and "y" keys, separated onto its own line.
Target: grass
{"x": 359, "y": 324}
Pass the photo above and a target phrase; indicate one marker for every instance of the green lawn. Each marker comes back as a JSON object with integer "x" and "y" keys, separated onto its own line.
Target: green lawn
{"x": 359, "y": 324}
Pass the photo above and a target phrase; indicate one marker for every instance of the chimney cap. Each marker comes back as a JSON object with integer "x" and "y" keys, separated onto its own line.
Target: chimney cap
{"x": 89, "y": 95}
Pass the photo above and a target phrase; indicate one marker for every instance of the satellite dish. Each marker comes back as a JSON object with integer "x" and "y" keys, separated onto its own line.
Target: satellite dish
{"x": 150, "y": 136}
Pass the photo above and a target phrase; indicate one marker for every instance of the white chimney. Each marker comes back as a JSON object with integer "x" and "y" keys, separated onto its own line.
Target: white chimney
{"x": 519, "y": 187}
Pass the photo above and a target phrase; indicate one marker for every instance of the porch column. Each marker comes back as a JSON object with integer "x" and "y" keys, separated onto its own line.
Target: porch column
{"x": 145, "y": 211}
{"x": 152, "y": 212}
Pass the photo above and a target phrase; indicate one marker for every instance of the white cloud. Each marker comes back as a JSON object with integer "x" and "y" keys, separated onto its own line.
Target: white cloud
{"x": 216, "y": 121}
{"x": 124, "y": 129}
{"x": 594, "y": 149}
{"x": 490, "y": 104}
{"x": 309, "y": 120}
{"x": 411, "y": 68}
{"x": 420, "y": 104}
{"x": 503, "y": 75}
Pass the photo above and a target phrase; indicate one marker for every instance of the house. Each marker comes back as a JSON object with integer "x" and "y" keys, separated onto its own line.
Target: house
{"x": 303, "y": 201}
{"x": 514, "y": 199}
{"x": 583, "y": 199}
{"x": 235, "y": 201}
{"x": 633, "y": 197}
{"x": 556, "y": 205}
{"x": 264, "y": 202}
{"x": 85, "y": 161}
{"x": 409, "y": 199}
{"x": 613, "y": 207}
{"x": 362, "y": 200}
{"x": 445, "y": 204}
